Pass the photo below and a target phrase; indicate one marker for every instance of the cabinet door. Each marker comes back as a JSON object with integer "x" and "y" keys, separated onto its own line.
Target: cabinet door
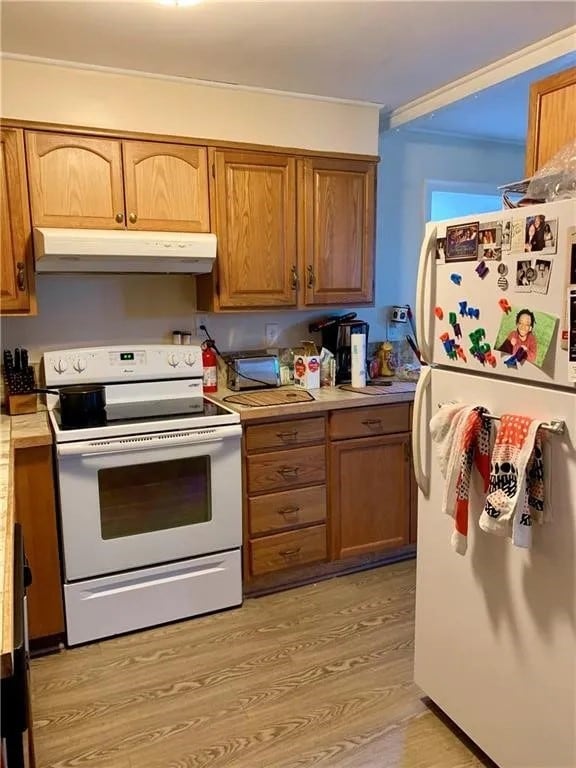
{"x": 255, "y": 196}
{"x": 337, "y": 230}
{"x": 36, "y": 510}
{"x": 369, "y": 494}
{"x": 551, "y": 119}
{"x": 16, "y": 263}
{"x": 166, "y": 187}
{"x": 75, "y": 181}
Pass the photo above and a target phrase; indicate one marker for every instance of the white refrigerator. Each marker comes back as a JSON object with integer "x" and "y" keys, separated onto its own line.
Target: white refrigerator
{"x": 495, "y": 644}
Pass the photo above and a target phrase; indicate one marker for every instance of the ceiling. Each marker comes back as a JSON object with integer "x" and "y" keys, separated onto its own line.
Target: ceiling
{"x": 388, "y": 52}
{"x": 498, "y": 113}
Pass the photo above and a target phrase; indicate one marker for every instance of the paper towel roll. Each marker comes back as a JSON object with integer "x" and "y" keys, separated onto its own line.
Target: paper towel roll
{"x": 358, "y": 363}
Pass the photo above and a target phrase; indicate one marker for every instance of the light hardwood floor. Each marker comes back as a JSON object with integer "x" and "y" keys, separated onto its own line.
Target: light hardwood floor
{"x": 316, "y": 676}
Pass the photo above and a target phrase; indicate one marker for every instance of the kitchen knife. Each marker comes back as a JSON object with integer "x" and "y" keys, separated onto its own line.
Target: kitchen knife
{"x": 17, "y": 360}
{"x": 24, "y": 359}
{"x": 415, "y": 349}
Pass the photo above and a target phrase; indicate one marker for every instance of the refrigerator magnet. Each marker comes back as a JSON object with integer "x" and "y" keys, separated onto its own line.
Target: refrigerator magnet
{"x": 540, "y": 234}
{"x": 502, "y": 269}
{"x": 503, "y": 283}
{"x": 440, "y": 248}
{"x": 462, "y": 242}
{"x": 490, "y": 241}
{"x": 524, "y": 276}
{"x": 506, "y": 238}
{"x": 529, "y": 329}
{"x": 543, "y": 270}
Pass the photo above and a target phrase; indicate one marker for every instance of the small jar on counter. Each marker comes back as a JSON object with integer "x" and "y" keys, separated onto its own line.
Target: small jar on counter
{"x": 186, "y": 337}
{"x": 176, "y": 337}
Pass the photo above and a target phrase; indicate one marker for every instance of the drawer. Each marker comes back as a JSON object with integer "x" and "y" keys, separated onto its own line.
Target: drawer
{"x": 278, "y": 511}
{"x": 365, "y": 422}
{"x": 286, "y": 550}
{"x": 281, "y": 470}
{"x": 285, "y": 434}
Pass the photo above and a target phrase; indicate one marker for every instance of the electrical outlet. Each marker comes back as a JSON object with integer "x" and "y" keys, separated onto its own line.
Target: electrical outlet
{"x": 272, "y": 332}
{"x": 200, "y": 320}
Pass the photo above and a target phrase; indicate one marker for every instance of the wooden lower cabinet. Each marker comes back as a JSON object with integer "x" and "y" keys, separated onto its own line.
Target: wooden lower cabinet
{"x": 35, "y": 509}
{"x": 342, "y": 498}
{"x": 369, "y": 494}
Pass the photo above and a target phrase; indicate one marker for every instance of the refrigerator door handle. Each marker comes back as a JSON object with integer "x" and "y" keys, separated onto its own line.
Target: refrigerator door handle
{"x": 428, "y": 246}
{"x": 419, "y": 397}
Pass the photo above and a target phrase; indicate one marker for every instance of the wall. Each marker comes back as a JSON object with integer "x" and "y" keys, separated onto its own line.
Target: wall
{"x": 102, "y": 98}
{"x": 408, "y": 160}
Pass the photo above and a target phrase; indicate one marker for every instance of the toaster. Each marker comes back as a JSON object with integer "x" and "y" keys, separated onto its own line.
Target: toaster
{"x": 253, "y": 371}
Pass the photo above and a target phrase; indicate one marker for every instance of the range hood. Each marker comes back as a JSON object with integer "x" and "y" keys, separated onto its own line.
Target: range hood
{"x": 110, "y": 250}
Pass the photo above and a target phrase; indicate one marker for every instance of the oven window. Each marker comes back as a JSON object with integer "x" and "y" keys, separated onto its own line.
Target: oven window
{"x": 154, "y": 497}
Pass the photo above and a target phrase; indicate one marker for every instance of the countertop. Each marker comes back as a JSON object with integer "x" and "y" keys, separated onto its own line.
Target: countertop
{"x": 325, "y": 399}
{"x": 15, "y": 432}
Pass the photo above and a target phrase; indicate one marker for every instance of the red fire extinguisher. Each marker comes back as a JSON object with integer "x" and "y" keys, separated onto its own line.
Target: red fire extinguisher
{"x": 210, "y": 366}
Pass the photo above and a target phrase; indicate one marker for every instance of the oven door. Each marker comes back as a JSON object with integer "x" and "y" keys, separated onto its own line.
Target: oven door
{"x": 129, "y": 502}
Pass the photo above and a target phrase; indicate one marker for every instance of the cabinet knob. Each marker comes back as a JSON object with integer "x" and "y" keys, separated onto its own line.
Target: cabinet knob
{"x": 21, "y": 275}
{"x": 119, "y": 218}
{"x": 311, "y": 277}
{"x": 132, "y": 218}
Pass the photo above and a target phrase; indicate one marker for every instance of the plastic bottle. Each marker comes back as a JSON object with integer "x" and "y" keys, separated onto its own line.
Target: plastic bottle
{"x": 210, "y": 367}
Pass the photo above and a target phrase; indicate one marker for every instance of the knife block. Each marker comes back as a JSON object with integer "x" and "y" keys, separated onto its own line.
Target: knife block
{"x": 19, "y": 404}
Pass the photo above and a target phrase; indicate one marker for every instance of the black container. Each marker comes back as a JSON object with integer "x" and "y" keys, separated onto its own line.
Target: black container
{"x": 80, "y": 404}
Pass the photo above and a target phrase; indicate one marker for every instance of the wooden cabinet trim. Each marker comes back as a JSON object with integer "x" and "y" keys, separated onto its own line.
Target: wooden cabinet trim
{"x": 15, "y": 206}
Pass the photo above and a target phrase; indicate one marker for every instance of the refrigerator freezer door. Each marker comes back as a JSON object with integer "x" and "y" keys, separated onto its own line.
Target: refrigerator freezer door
{"x": 496, "y": 628}
{"x": 456, "y": 287}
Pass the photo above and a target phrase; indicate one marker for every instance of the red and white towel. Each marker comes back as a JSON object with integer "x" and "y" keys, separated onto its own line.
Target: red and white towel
{"x": 516, "y": 495}
{"x": 463, "y": 436}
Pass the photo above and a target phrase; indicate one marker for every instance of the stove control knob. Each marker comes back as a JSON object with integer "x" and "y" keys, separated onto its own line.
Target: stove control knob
{"x": 60, "y": 365}
{"x": 173, "y": 360}
{"x": 79, "y": 364}
{"x": 190, "y": 359}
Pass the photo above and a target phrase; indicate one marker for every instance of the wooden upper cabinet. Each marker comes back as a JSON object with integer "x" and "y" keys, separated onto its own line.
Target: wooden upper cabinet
{"x": 551, "y": 119}
{"x": 337, "y": 230}
{"x": 75, "y": 181}
{"x": 166, "y": 187}
{"x": 16, "y": 270}
{"x": 255, "y": 203}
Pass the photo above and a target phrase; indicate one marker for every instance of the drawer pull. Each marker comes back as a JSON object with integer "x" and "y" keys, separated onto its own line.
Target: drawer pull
{"x": 372, "y": 423}
{"x": 287, "y": 553}
{"x": 288, "y": 511}
{"x": 289, "y": 471}
{"x": 288, "y": 437}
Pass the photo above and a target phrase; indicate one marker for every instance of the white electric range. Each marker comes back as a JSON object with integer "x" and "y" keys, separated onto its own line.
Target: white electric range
{"x": 150, "y": 491}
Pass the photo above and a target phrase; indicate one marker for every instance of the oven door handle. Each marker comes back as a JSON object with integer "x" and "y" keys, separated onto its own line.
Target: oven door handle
{"x": 188, "y": 437}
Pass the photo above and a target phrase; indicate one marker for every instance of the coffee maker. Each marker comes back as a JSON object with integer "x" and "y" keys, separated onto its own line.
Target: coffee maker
{"x": 336, "y": 332}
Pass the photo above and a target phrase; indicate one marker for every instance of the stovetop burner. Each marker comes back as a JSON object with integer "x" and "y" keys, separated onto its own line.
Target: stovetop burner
{"x": 119, "y": 414}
